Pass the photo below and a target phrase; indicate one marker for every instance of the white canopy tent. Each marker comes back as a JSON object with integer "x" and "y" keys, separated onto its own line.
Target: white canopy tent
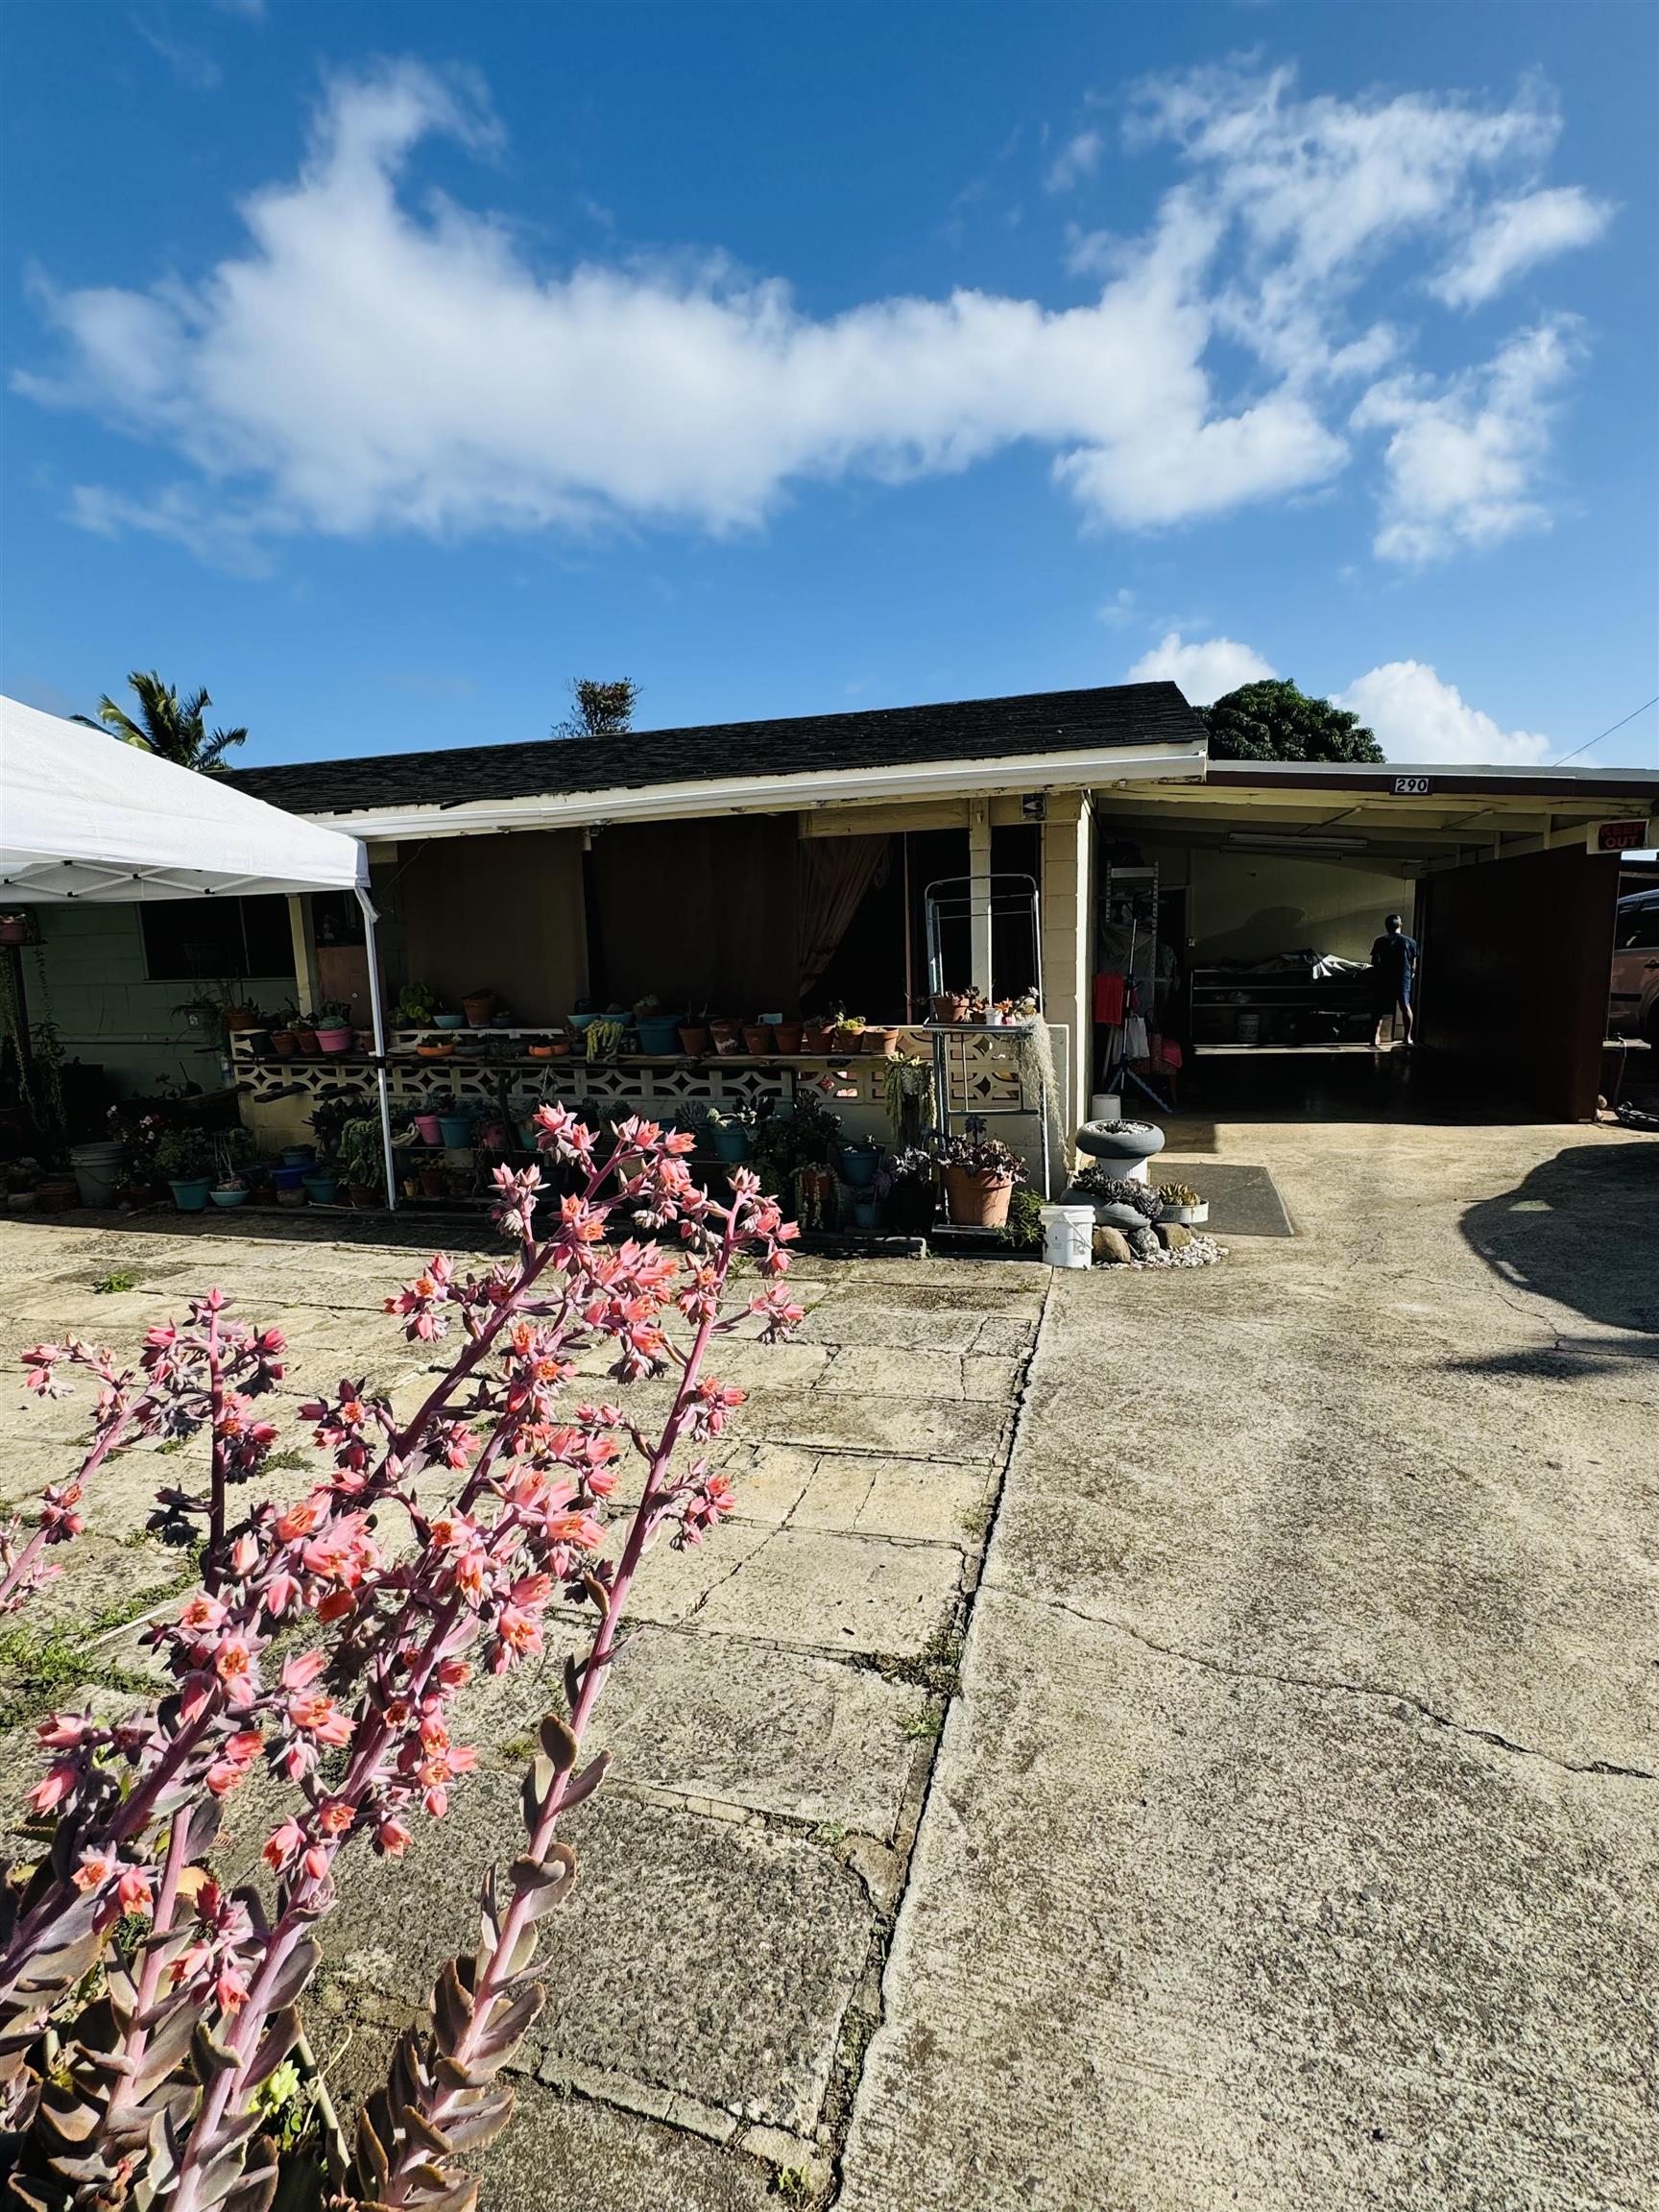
{"x": 83, "y": 817}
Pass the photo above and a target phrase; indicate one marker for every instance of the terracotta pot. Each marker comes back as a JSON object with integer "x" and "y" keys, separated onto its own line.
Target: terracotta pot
{"x": 305, "y": 1041}
{"x": 789, "y": 1035}
{"x": 693, "y": 1039}
{"x": 365, "y": 1040}
{"x": 60, "y": 1191}
{"x": 847, "y": 1040}
{"x": 434, "y": 1051}
{"x": 815, "y": 1037}
{"x": 434, "y": 1182}
{"x": 882, "y": 1041}
{"x": 362, "y": 1193}
{"x": 560, "y": 1049}
{"x": 976, "y": 1201}
{"x": 242, "y": 1018}
{"x": 757, "y": 1038}
{"x": 284, "y": 1044}
{"x": 540, "y": 1052}
{"x": 727, "y": 1036}
{"x": 479, "y": 1008}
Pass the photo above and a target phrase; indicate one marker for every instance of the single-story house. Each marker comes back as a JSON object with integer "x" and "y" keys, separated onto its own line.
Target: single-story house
{"x": 786, "y": 866}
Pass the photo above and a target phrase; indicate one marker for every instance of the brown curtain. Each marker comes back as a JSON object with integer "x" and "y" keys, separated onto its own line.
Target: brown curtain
{"x": 835, "y": 875}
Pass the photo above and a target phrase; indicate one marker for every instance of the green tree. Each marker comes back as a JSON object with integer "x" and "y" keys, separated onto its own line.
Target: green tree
{"x": 602, "y": 710}
{"x": 1274, "y": 721}
{"x": 170, "y": 728}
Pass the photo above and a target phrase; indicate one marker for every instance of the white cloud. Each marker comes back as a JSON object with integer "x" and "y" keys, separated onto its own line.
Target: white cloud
{"x": 1204, "y": 668}
{"x": 1514, "y": 235}
{"x": 1418, "y": 718}
{"x": 1077, "y": 158}
{"x": 1462, "y": 460}
{"x": 370, "y": 361}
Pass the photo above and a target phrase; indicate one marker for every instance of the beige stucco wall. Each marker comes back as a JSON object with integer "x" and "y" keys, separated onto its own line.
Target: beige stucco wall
{"x": 1244, "y": 905}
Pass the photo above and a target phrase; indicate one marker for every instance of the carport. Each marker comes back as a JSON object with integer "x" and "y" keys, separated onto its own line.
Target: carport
{"x": 1507, "y": 877}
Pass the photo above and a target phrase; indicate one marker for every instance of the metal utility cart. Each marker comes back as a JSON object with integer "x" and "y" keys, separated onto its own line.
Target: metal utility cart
{"x": 979, "y": 903}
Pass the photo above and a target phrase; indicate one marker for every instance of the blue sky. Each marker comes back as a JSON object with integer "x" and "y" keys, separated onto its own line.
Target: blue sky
{"x": 384, "y": 367}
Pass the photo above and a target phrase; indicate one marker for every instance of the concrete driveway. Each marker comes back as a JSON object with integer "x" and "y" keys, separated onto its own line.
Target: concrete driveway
{"x": 1283, "y": 1836}
{"x": 1294, "y": 1840}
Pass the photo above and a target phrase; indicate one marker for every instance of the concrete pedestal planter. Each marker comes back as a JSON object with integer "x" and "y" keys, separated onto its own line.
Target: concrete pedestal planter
{"x": 1125, "y": 1140}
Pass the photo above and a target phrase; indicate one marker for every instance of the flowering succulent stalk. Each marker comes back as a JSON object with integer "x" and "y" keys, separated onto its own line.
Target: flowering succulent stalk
{"x": 356, "y": 1725}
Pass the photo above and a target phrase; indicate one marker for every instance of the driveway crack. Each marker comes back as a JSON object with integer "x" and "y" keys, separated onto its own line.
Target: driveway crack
{"x": 1327, "y": 1686}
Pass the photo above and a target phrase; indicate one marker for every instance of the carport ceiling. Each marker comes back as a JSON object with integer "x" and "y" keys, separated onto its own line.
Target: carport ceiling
{"x": 1443, "y": 824}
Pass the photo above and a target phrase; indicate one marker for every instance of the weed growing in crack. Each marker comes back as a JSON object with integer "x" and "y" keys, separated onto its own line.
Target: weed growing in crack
{"x": 924, "y": 1726}
{"x": 830, "y": 1833}
{"x": 117, "y": 1280}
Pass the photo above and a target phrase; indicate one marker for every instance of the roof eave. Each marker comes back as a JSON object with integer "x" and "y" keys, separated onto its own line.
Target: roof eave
{"x": 1070, "y": 770}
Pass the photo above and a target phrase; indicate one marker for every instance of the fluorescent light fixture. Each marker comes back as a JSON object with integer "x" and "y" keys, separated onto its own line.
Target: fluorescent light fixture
{"x": 1265, "y": 841}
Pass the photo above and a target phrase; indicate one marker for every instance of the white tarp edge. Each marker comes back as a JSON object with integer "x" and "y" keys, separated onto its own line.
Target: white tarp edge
{"x": 83, "y": 816}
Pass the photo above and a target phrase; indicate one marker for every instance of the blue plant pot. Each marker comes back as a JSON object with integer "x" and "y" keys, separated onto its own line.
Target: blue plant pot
{"x": 456, "y": 1130}
{"x": 228, "y": 1197}
{"x": 732, "y": 1144}
{"x": 448, "y": 1021}
{"x": 286, "y": 1178}
{"x": 320, "y": 1187}
{"x": 190, "y": 1195}
{"x": 299, "y": 1156}
{"x": 858, "y": 1166}
{"x": 659, "y": 1032}
{"x": 866, "y": 1214}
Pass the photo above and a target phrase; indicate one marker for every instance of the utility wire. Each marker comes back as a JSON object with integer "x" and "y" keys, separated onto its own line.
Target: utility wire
{"x": 1585, "y": 747}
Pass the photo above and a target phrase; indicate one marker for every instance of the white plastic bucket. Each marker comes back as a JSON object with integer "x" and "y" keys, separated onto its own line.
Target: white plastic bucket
{"x": 99, "y": 1169}
{"x": 1106, "y": 1106}
{"x": 1067, "y": 1235}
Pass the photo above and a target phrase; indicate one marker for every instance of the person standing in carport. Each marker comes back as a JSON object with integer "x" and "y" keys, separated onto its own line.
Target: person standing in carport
{"x": 1394, "y": 958}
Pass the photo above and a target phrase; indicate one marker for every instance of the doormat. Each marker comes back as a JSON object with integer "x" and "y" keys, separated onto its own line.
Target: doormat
{"x": 1243, "y": 1201}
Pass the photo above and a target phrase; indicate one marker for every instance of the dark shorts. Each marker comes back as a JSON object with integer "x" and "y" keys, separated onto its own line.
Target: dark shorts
{"x": 1390, "y": 991}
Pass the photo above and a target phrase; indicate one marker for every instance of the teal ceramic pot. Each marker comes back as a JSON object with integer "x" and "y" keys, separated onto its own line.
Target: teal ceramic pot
{"x": 190, "y": 1195}
{"x": 859, "y": 1165}
{"x": 732, "y": 1142}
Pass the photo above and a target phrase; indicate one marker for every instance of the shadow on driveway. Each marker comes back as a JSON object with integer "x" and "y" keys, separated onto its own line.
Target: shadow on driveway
{"x": 1582, "y": 1230}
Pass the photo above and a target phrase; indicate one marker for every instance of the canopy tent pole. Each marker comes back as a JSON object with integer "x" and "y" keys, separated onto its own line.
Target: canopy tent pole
{"x": 370, "y": 918}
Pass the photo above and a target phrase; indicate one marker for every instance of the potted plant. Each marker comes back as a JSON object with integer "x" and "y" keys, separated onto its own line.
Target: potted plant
{"x": 455, "y": 1128}
{"x": 434, "y": 1181}
{"x": 330, "y": 1112}
{"x": 758, "y": 1039}
{"x": 730, "y": 1131}
{"x": 416, "y": 1004}
{"x": 906, "y": 1081}
{"x": 786, "y": 1037}
{"x": 816, "y": 1037}
{"x": 232, "y": 1153}
{"x": 332, "y": 1021}
{"x": 659, "y": 1032}
{"x": 695, "y": 1035}
{"x": 1117, "y": 1202}
{"x": 1129, "y": 1140}
{"x": 284, "y": 1041}
{"x": 849, "y": 1033}
{"x": 427, "y": 1120}
{"x": 322, "y": 1185}
{"x": 13, "y": 929}
{"x": 602, "y": 1038}
{"x": 979, "y": 1174}
{"x": 880, "y": 1037}
{"x": 909, "y": 1182}
{"x": 727, "y": 1036}
{"x": 948, "y": 1006}
{"x": 859, "y": 1163}
{"x": 362, "y": 1161}
{"x": 479, "y": 1008}
{"x": 1182, "y": 1204}
{"x": 184, "y": 1160}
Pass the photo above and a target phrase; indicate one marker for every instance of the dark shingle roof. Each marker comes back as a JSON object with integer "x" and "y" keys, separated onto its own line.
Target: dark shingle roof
{"x": 968, "y": 729}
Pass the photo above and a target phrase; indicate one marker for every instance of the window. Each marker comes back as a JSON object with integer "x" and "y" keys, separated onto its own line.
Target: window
{"x": 202, "y": 940}
{"x": 1637, "y": 930}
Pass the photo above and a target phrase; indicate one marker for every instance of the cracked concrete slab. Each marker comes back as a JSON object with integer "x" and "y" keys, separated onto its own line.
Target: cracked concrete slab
{"x": 577, "y": 2150}
{"x": 709, "y": 1957}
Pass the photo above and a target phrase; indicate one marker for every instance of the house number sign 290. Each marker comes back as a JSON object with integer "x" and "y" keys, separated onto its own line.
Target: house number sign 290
{"x": 1413, "y": 786}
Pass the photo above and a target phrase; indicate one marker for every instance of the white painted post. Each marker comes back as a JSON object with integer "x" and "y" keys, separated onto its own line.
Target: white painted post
{"x": 979, "y": 893}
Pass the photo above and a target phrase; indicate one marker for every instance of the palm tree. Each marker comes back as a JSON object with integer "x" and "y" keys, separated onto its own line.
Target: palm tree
{"x": 175, "y": 731}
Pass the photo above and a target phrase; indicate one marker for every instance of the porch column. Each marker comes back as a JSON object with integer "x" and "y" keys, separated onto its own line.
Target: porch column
{"x": 980, "y": 892}
{"x": 1067, "y": 907}
{"x": 307, "y": 988}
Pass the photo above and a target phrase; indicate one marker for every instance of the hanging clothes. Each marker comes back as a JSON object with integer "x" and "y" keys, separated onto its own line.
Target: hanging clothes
{"x": 1109, "y": 1000}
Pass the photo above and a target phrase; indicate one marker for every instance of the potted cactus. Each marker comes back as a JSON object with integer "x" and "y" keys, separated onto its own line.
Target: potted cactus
{"x": 185, "y": 1161}
{"x": 362, "y": 1162}
{"x": 1182, "y": 1204}
{"x": 335, "y": 1032}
